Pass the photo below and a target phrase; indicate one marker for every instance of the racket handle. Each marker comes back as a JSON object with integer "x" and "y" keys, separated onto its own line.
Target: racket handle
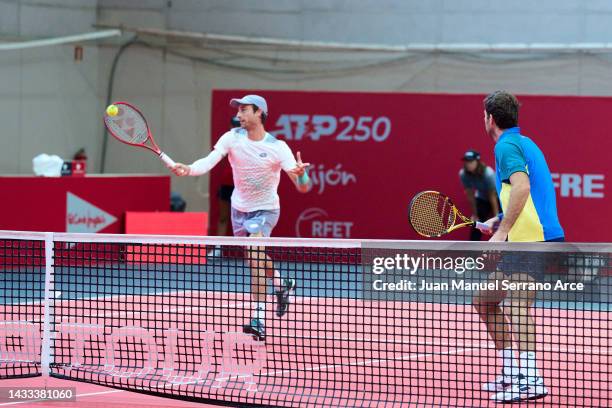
{"x": 167, "y": 160}
{"x": 483, "y": 227}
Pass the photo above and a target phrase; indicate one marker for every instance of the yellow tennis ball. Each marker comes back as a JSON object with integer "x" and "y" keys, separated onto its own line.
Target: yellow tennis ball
{"x": 112, "y": 110}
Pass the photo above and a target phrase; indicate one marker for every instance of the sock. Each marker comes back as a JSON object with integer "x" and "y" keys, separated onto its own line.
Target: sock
{"x": 528, "y": 364}
{"x": 260, "y": 311}
{"x": 510, "y": 365}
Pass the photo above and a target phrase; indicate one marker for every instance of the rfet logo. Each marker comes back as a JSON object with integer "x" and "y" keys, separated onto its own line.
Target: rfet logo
{"x": 82, "y": 216}
{"x": 315, "y": 223}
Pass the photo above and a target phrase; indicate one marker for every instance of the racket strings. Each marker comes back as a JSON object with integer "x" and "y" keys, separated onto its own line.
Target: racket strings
{"x": 431, "y": 214}
{"x": 128, "y": 125}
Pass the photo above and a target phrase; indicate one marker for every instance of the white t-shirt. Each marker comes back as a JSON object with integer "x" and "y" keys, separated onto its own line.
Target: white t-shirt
{"x": 256, "y": 168}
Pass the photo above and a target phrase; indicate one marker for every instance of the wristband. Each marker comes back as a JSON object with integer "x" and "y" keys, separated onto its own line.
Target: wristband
{"x": 303, "y": 179}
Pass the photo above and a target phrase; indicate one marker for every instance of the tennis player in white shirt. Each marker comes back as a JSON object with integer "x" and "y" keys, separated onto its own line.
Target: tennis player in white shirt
{"x": 256, "y": 158}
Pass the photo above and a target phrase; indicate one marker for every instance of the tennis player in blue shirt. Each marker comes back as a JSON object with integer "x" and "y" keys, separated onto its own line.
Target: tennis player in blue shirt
{"x": 526, "y": 192}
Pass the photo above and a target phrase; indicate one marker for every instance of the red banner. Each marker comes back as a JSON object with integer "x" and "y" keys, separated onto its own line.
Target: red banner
{"x": 371, "y": 152}
{"x": 79, "y": 204}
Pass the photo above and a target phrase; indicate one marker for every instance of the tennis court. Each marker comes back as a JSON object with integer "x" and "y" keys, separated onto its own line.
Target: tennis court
{"x": 137, "y": 313}
{"x": 324, "y": 203}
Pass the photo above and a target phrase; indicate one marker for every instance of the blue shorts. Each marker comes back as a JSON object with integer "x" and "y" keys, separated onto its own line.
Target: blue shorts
{"x": 533, "y": 264}
{"x": 248, "y": 223}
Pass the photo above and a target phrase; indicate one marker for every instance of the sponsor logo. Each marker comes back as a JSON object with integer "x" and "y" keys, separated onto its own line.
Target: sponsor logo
{"x": 336, "y": 176}
{"x": 342, "y": 129}
{"x": 221, "y": 364}
{"x": 579, "y": 185}
{"x": 315, "y": 222}
{"x": 82, "y": 216}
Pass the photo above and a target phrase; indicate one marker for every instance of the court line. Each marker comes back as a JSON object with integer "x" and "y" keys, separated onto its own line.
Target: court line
{"x": 117, "y": 298}
{"x": 478, "y": 344}
{"x": 238, "y": 306}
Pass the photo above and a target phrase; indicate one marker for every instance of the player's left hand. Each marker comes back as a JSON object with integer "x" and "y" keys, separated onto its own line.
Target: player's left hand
{"x": 300, "y": 167}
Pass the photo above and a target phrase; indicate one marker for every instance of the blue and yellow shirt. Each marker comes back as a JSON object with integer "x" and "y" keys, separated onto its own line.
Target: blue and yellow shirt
{"x": 538, "y": 221}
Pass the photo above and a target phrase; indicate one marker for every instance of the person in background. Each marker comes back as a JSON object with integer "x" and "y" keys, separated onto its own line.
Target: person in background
{"x": 177, "y": 202}
{"x": 478, "y": 181}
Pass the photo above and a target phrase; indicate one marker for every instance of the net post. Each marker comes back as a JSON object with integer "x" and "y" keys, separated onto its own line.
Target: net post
{"x": 45, "y": 358}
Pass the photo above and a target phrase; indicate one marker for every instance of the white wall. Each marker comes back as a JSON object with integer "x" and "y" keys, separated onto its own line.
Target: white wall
{"x": 47, "y": 100}
{"x": 379, "y": 21}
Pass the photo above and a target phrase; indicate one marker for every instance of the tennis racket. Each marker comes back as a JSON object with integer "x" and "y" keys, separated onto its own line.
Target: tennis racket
{"x": 432, "y": 214}
{"x": 130, "y": 127}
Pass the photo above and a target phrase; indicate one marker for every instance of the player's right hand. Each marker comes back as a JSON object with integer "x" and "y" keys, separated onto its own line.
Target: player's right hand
{"x": 181, "y": 169}
{"x": 493, "y": 224}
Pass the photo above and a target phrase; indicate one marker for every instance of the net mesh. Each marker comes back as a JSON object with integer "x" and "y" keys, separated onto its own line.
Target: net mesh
{"x": 370, "y": 324}
{"x": 22, "y": 273}
{"x": 127, "y": 125}
{"x": 431, "y": 214}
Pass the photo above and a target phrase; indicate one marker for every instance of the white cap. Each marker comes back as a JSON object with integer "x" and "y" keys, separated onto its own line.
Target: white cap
{"x": 251, "y": 100}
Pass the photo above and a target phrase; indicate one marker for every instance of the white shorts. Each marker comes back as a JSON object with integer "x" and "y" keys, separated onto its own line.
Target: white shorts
{"x": 260, "y": 221}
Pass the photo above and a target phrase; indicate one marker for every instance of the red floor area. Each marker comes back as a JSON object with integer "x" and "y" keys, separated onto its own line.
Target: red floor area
{"x": 90, "y": 395}
{"x": 329, "y": 352}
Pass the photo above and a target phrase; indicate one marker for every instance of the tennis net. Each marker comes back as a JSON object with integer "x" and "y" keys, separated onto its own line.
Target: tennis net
{"x": 370, "y": 324}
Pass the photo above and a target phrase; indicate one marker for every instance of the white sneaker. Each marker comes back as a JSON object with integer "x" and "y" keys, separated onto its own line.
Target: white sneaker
{"x": 527, "y": 389}
{"x": 501, "y": 383}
